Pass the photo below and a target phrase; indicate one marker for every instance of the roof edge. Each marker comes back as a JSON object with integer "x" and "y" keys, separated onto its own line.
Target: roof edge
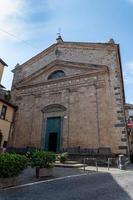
{"x": 121, "y": 71}
{"x": 34, "y": 57}
{"x": 45, "y": 51}
{"x": 1, "y": 61}
{"x": 8, "y": 103}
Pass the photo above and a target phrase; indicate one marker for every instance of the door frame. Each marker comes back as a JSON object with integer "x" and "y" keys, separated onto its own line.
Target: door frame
{"x": 44, "y": 137}
{"x": 58, "y": 134}
{"x": 53, "y": 110}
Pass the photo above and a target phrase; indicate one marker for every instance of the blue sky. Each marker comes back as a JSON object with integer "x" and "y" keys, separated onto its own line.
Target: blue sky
{"x": 35, "y": 24}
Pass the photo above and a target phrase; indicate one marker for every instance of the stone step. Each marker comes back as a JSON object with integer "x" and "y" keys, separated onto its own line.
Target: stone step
{"x": 69, "y": 164}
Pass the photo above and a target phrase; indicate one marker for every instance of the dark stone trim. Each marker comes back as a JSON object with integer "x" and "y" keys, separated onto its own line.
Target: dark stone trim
{"x": 123, "y": 147}
{"x": 119, "y": 111}
{"x": 117, "y": 93}
{"x": 123, "y": 132}
{"x": 115, "y": 88}
{"x": 122, "y": 121}
{"x": 117, "y": 99}
{"x": 120, "y": 118}
{"x": 120, "y": 125}
{"x": 124, "y": 139}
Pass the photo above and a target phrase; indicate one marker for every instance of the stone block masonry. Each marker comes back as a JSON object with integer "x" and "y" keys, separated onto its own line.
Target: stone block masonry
{"x": 88, "y": 99}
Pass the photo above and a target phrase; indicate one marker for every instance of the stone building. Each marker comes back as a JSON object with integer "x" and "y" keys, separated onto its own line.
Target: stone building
{"x": 129, "y": 120}
{"x": 71, "y": 95}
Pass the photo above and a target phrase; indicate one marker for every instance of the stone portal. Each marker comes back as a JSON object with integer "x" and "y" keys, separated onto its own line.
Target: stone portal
{"x": 52, "y": 135}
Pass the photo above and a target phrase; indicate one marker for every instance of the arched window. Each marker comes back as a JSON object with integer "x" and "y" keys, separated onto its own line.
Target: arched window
{"x": 56, "y": 74}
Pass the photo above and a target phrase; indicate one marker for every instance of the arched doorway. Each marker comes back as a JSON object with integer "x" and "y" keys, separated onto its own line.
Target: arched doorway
{"x": 53, "y": 130}
{"x": 53, "y": 126}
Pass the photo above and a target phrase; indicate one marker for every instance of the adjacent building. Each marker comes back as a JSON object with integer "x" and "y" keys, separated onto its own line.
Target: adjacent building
{"x": 71, "y": 95}
{"x": 129, "y": 120}
{"x": 7, "y": 111}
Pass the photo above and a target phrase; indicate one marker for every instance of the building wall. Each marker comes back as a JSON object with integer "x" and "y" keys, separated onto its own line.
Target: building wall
{"x": 5, "y": 124}
{"x": 94, "y": 114}
{"x": 1, "y": 71}
{"x": 129, "y": 119}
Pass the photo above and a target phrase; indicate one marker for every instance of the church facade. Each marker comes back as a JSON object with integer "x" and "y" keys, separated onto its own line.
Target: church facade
{"x": 71, "y": 95}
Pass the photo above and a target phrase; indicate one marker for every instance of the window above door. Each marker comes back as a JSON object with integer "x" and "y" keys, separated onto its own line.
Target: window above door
{"x": 56, "y": 74}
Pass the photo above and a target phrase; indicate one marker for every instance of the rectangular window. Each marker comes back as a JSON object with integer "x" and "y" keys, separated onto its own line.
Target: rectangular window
{"x": 3, "y": 112}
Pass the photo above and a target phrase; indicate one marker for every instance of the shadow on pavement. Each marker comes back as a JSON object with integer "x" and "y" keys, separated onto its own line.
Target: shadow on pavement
{"x": 95, "y": 186}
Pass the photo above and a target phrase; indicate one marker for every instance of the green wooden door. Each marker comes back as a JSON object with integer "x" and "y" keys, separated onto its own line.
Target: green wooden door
{"x": 52, "y": 136}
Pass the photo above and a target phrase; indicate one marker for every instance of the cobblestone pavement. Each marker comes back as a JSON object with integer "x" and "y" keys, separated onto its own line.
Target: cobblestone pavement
{"x": 94, "y": 186}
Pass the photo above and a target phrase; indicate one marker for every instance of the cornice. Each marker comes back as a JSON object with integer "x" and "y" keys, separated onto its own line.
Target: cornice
{"x": 62, "y": 63}
{"x": 91, "y": 74}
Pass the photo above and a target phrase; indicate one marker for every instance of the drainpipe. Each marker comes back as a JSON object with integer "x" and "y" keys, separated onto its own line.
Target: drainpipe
{"x": 10, "y": 135}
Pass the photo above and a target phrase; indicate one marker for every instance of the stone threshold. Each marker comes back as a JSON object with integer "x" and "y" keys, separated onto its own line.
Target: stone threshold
{"x": 69, "y": 164}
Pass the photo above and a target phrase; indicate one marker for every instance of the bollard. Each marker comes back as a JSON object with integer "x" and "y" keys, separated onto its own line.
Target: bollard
{"x": 122, "y": 162}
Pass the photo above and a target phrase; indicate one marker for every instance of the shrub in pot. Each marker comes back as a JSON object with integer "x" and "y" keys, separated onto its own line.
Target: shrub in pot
{"x": 63, "y": 157}
{"x": 30, "y": 152}
{"x": 11, "y": 166}
{"x": 43, "y": 161}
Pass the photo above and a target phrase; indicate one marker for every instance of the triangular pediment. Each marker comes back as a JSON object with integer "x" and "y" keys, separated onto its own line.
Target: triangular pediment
{"x": 70, "y": 69}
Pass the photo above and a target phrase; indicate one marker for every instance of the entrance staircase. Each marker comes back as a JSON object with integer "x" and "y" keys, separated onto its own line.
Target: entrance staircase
{"x": 69, "y": 164}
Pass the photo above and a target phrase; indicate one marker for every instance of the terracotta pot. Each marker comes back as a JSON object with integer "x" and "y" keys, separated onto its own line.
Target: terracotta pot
{"x": 44, "y": 172}
{"x": 8, "y": 182}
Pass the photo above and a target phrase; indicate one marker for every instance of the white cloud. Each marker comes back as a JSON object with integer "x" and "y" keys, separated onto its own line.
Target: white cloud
{"x": 7, "y": 7}
{"x": 16, "y": 18}
{"x": 11, "y": 18}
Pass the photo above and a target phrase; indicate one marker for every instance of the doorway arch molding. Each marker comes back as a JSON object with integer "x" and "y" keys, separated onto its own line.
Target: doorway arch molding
{"x": 54, "y": 111}
{"x": 53, "y": 108}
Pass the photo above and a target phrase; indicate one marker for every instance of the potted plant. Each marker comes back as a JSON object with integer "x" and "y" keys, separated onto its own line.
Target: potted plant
{"x": 43, "y": 161}
{"x": 11, "y": 165}
{"x": 63, "y": 157}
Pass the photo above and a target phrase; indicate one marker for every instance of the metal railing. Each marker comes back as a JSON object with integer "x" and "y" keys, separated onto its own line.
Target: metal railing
{"x": 111, "y": 159}
{"x": 90, "y": 159}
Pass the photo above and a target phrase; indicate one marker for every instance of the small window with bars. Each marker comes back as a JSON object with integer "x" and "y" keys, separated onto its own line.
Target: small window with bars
{"x": 3, "y": 112}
